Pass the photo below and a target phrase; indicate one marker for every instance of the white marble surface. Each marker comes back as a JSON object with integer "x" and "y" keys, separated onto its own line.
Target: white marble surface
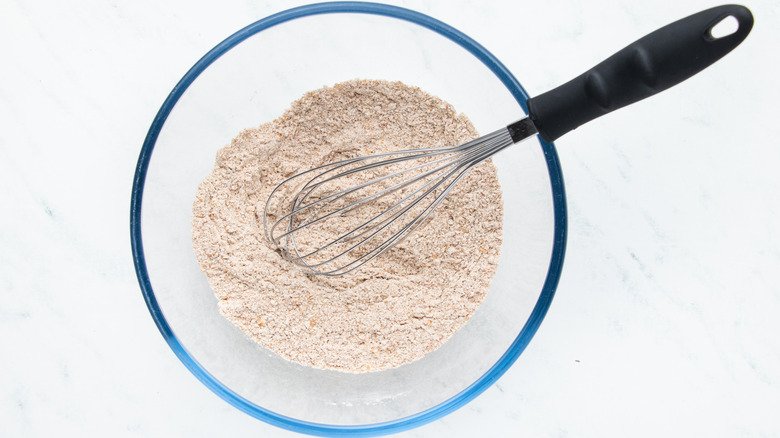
{"x": 665, "y": 321}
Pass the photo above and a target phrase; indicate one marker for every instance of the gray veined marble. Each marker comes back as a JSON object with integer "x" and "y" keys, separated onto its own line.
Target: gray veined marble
{"x": 665, "y": 319}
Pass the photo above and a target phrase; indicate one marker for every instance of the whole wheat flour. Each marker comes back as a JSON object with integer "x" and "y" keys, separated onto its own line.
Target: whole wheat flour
{"x": 398, "y": 307}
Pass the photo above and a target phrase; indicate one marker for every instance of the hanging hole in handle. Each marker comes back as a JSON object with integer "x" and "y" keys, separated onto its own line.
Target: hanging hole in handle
{"x": 725, "y": 27}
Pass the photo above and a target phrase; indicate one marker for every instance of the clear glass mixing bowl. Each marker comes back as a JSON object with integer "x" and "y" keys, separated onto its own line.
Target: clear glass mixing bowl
{"x": 251, "y": 78}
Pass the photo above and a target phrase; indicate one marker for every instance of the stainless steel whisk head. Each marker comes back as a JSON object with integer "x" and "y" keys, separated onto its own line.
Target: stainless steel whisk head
{"x": 335, "y": 218}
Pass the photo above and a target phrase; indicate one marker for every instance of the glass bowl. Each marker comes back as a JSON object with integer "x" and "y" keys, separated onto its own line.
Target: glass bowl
{"x": 251, "y": 78}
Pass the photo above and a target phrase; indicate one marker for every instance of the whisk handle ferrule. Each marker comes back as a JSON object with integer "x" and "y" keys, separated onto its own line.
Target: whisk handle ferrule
{"x": 521, "y": 129}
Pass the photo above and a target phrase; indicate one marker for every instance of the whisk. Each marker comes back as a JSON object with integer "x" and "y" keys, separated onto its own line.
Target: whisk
{"x": 335, "y": 218}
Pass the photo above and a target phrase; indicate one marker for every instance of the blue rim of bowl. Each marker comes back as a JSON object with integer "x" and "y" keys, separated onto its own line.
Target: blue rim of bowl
{"x": 401, "y": 424}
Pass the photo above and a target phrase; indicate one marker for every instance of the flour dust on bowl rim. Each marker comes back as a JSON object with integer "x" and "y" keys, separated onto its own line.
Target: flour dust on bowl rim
{"x": 250, "y": 78}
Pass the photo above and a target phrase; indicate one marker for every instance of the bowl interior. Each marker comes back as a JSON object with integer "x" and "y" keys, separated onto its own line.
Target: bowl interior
{"x": 255, "y": 82}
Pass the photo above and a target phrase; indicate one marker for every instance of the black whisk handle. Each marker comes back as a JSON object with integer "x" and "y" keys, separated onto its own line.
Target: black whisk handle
{"x": 651, "y": 64}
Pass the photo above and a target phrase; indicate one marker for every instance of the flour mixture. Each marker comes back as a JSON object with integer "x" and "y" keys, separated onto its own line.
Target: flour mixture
{"x": 397, "y": 308}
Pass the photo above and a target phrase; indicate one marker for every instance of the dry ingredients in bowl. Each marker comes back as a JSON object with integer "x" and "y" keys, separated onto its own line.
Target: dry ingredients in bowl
{"x": 396, "y": 309}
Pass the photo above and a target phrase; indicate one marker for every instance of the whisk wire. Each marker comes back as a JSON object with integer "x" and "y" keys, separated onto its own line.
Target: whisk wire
{"x": 381, "y": 226}
{"x": 307, "y": 222}
{"x": 300, "y": 200}
{"x": 316, "y": 202}
{"x": 335, "y": 166}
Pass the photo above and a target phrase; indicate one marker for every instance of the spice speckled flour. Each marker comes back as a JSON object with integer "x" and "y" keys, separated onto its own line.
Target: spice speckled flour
{"x": 398, "y": 307}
